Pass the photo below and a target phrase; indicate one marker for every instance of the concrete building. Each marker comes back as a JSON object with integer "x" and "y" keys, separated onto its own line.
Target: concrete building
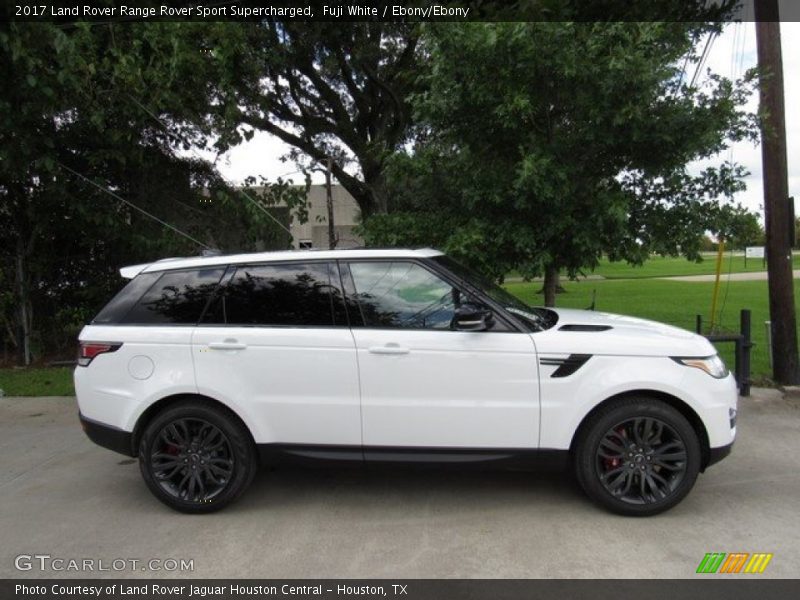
{"x": 314, "y": 232}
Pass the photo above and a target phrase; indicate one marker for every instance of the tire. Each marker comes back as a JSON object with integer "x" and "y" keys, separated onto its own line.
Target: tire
{"x": 637, "y": 456}
{"x": 197, "y": 457}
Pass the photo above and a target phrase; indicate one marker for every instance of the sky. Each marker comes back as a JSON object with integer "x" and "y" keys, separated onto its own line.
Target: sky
{"x": 732, "y": 53}
{"x": 742, "y": 38}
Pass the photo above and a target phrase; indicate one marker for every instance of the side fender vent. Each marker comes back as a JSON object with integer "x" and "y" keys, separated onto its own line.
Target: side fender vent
{"x": 579, "y": 327}
{"x": 566, "y": 366}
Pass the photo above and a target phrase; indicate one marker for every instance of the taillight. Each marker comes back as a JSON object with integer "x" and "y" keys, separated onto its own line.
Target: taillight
{"x": 88, "y": 350}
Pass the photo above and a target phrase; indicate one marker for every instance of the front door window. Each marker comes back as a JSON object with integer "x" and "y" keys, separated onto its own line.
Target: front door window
{"x": 402, "y": 295}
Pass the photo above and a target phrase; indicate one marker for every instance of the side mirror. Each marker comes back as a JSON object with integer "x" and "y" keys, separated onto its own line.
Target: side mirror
{"x": 470, "y": 317}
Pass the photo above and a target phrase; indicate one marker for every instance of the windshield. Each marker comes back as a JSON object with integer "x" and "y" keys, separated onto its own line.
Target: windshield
{"x": 539, "y": 318}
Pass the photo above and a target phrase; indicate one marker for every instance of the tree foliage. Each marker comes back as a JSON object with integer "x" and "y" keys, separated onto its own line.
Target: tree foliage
{"x": 543, "y": 146}
{"x": 739, "y": 227}
{"x": 338, "y": 91}
{"x": 91, "y": 106}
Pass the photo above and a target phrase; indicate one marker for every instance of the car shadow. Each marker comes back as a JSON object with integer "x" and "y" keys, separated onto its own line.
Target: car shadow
{"x": 412, "y": 487}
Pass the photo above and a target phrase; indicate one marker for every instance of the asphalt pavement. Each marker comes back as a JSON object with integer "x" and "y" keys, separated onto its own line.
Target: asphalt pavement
{"x": 63, "y": 497}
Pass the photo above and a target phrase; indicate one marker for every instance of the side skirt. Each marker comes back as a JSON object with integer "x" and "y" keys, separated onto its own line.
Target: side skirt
{"x": 349, "y": 456}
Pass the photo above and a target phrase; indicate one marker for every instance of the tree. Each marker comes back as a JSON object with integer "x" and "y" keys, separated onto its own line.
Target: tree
{"x": 547, "y": 145}
{"x": 707, "y": 244}
{"x": 87, "y": 108}
{"x": 340, "y": 91}
{"x": 739, "y": 227}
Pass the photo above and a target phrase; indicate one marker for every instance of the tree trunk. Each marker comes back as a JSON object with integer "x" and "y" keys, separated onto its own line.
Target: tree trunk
{"x": 361, "y": 194}
{"x": 377, "y": 185}
{"x": 24, "y": 325}
{"x": 550, "y": 285}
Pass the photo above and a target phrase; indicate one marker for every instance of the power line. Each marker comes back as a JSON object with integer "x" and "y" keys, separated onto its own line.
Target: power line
{"x": 703, "y": 57}
{"x": 745, "y": 31}
{"x": 133, "y": 206}
{"x": 686, "y": 63}
{"x": 290, "y": 173}
{"x": 192, "y": 148}
{"x": 734, "y": 47}
{"x": 737, "y": 63}
{"x": 737, "y": 56}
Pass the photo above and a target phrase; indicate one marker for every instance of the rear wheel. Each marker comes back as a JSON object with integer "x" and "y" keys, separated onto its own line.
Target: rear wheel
{"x": 637, "y": 457}
{"x": 196, "y": 457}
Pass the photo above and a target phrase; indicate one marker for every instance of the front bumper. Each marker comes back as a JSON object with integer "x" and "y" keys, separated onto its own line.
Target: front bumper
{"x": 108, "y": 437}
{"x": 717, "y": 454}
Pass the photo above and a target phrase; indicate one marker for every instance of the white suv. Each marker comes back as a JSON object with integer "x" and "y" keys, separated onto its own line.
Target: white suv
{"x": 206, "y": 367}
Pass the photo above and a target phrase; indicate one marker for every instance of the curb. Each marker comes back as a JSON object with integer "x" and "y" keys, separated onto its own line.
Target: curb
{"x": 791, "y": 392}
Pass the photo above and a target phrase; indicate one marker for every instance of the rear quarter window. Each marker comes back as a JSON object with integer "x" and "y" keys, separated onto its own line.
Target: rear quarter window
{"x": 121, "y": 304}
{"x": 176, "y": 297}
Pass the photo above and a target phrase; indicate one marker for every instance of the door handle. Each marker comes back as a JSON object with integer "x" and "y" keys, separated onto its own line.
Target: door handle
{"x": 388, "y": 349}
{"x": 227, "y": 345}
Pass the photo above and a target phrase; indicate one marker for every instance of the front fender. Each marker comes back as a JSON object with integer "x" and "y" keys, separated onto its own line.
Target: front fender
{"x": 566, "y": 401}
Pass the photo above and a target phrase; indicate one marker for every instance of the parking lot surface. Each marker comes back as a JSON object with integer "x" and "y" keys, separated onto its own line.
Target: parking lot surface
{"x": 62, "y": 496}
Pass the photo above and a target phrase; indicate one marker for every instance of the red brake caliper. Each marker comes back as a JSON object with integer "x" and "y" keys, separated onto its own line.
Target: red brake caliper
{"x": 613, "y": 463}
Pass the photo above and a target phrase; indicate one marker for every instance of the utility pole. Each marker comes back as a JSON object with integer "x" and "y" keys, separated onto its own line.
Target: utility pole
{"x": 777, "y": 218}
{"x": 329, "y": 199}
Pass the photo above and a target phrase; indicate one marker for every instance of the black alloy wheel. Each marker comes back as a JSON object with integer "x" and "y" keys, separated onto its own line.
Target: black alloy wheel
{"x": 637, "y": 456}
{"x": 197, "y": 457}
{"x": 192, "y": 460}
{"x": 641, "y": 460}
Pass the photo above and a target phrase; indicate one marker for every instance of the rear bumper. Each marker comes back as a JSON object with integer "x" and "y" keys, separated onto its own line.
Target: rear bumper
{"x": 108, "y": 437}
{"x": 717, "y": 454}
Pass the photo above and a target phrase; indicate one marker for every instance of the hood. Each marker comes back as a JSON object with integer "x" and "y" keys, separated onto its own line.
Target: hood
{"x": 590, "y": 332}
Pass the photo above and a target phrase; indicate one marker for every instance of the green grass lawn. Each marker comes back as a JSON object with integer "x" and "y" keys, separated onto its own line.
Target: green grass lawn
{"x": 673, "y": 302}
{"x": 665, "y": 266}
{"x": 37, "y": 381}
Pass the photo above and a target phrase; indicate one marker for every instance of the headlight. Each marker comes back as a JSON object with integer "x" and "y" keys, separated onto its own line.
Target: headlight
{"x": 712, "y": 365}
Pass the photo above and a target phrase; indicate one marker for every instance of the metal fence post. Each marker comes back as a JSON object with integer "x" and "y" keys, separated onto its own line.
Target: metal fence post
{"x": 737, "y": 362}
{"x": 747, "y": 344}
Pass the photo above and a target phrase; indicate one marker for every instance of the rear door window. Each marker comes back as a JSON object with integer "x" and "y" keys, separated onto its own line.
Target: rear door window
{"x": 289, "y": 294}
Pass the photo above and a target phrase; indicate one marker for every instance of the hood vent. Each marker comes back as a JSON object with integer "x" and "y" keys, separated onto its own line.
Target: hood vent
{"x": 578, "y": 327}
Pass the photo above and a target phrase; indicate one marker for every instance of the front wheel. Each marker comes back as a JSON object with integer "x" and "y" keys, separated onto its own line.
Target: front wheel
{"x": 196, "y": 457}
{"x": 637, "y": 457}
